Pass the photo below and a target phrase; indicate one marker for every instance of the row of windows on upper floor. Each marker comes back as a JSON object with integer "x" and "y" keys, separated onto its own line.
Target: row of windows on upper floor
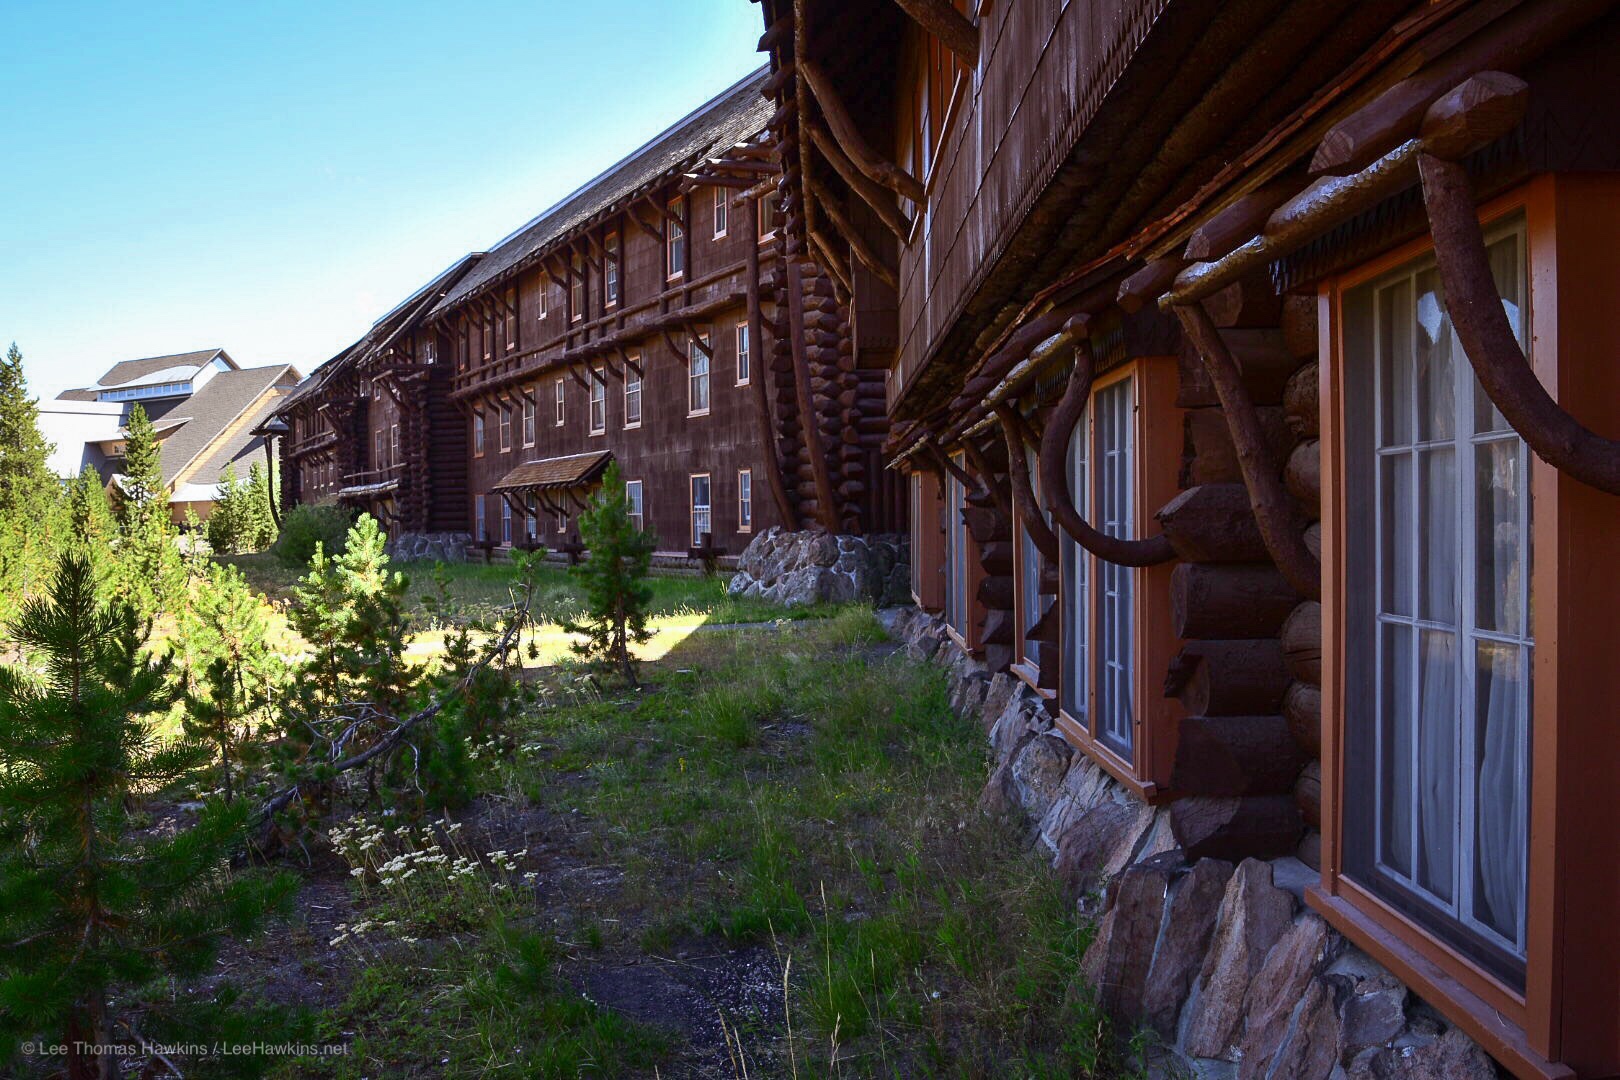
{"x": 698, "y": 395}
{"x": 498, "y": 332}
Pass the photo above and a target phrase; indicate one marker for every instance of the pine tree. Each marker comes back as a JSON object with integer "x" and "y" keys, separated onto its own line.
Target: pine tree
{"x": 262, "y": 494}
{"x": 231, "y": 671}
{"x": 227, "y": 521}
{"x": 150, "y": 571}
{"x": 614, "y": 576}
{"x": 90, "y": 524}
{"x": 88, "y": 907}
{"x": 30, "y": 495}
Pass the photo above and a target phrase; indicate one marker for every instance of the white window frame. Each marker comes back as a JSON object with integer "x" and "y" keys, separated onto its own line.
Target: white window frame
{"x": 597, "y": 409}
{"x": 721, "y": 221}
{"x": 765, "y": 211}
{"x": 480, "y": 520}
{"x": 559, "y": 396}
{"x": 674, "y": 240}
{"x": 377, "y": 450}
{"x": 697, "y": 359}
{"x": 506, "y": 521}
{"x": 610, "y": 270}
{"x": 579, "y": 294}
{"x": 478, "y": 434}
{"x": 531, "y": 518}
{"x": 632, "y": 392}
{"x": 635, "y": 497}
{"x": 745, "y": 500}
{"x": 505, "y": 427}
{"x": 702, "y": 513}
{"x": 393, "y": 443}
{"x": 543, "y": 303}
{"x": 745, "y": 355}
{"x": 529, "y": 425}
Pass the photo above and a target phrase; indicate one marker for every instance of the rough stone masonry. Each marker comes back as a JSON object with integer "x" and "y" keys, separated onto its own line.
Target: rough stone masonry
{"x": 1221, "y": 962}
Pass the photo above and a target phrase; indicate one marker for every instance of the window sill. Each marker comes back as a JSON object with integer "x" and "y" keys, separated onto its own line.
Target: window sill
{"x": 1030, "y": 675}
{"x": 698, "y": 412}
{"x": 1110, "y": 762}
{"x": 742, "y": 382}
{"x": 721, "y": 235}
{"x": 745, "y": 528}
{"x": 631, "y": 427}
{"x": 1414, "y": 965}
{"x": 598, "y": 434}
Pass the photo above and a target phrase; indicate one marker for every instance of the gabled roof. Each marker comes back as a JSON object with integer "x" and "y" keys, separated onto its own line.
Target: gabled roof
{"x": 734, "y": 116}
{"x": 130, "y": 371}
{"x": 571, "y": 470}
{"x": 208, "y": 414}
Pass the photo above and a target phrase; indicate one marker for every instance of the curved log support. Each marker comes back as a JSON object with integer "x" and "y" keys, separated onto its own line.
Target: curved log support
{"x": 1476, "y": 312}
{"x": 1274, "y": 509}
{"x": 826, "y": 504}
{"x": 1059, "y": 500}
{"x": 987, "y": 478}
{"x": 761, "y": 394}
{"x": 1023, "y": 494}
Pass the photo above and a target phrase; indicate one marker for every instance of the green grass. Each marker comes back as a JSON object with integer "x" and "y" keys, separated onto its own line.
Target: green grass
{"x": 476, "y": 589}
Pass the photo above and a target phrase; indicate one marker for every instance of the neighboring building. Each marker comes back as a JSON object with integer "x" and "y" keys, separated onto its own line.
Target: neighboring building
{"x": 641, "y": 320}
{"x": 206, "y": 411}
{"x": 1184, "y": 389}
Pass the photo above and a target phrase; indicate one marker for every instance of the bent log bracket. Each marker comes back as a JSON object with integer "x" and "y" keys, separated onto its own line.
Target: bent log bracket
{"x": 1274, "y": 511}
{"x": 1059, "y": 499}
{"x": 1016, "y": 432}
{"x": 1492, "y": 349}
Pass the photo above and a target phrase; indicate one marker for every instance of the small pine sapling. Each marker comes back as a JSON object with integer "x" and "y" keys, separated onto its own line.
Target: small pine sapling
{"x": 614, "y": 577}
{"x": 91, "y": 911}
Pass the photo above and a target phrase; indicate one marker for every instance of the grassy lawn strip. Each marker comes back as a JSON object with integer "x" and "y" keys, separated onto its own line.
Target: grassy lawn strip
{"x": 797, "y": 796}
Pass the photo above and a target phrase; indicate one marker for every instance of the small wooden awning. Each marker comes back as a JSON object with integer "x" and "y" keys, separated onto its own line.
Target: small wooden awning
{"x": 555, "y": 474}
{"x": 366, "y": 491}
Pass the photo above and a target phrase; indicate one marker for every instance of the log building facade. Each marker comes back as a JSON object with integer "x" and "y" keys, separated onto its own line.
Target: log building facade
{"x": 642, "y": 320}
{"x": 1251, "y": 370}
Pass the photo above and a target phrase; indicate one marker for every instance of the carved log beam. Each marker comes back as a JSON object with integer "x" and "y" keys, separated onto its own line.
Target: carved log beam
{"x": 1487, "y": 338}
{"x": 1016, "y": 433}
{"x": 697, "y": 339}
{"x": 831, "y": 261}
{"x": 857, "y": 242}
{"x": 826, "y": 505}
{"x": 756, "y": 379}
{"x": 1054, "y": 460}
{"x": 879, "y": 168}
{"x": 953, "y": 29}
{"x": 987, "y": 481}
{"x": 697, "y": 179}
{"x": 674, "y": 347}
{"x": 1274, "y": 510}
{"x": 641, "y": 223}
{"x": 881, "y": 203}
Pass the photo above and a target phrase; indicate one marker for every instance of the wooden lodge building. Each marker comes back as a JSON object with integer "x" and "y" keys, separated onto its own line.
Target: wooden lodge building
{"x": 641, "y": 320}
{"x": 1254, "y": 379}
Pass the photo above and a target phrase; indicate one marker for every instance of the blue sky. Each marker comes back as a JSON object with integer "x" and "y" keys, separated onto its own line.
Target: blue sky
{"x": 272, "y": 177}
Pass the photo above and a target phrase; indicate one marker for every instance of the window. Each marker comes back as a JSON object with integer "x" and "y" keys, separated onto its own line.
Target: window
{"x": 632, "y": 393}
{"x": 478, "y": 519}
{"x": 509, "y": 320}
{"x": 543, "y": 299}
{"x": 506, "y": 430}
{"x": 632, "y": 492}
{"x": 720, "y": 196}
{"x": 1439, "y": 644}
{"x": 745, "y": 500}
{"x": 598, "y": 401}
{"x": 430, "y": 351}
{"x": 766, "y": 206}
{"x": 675, "y": 239}
{"x": 561, "y": 522}
{"x": 488, "y": 330}
{"x": 531, "y": 518}
{"x": 576, "y": 289}
{"x": 610, "y": 270}
{"x": 506, "y": 521}
{"x": 702, "y": 524}
{"x": 956, "y": 556}
{"x": 478, "y": 434}
{"x": 697, "y": 376}
{"x": 559, "y": 402}
{"x": 744, "y": 360}
{"x": 1030, "y": 566}
{"x": 1116, "y": 636}
{"x": 393, "y": 444}
{"x": 377, "y": 461}
{"x": 528, "y": 418}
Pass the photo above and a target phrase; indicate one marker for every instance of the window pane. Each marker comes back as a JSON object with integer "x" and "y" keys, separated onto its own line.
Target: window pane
{"x": 1499, "y": 574}
{"x": 1504, "y": 258}
{"x": 1114, "y": 622}
{"x": 1395, "y": 510}
{"x": 1395, "y": 364}
{"x": 1437, "y": 535}
{"x": 1436, "y": 389}
{"x": 1076, "y": 624}
{"x": 1437, "y": 757}
{"x": 1395, "y": 748}
{"x": 1502, "y": 786}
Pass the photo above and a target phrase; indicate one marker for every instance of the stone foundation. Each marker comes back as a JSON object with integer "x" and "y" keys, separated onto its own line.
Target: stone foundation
{"x": 793, "y": 568}
{"x": 446, "y": 547}
{"x": 1222, "y": 962}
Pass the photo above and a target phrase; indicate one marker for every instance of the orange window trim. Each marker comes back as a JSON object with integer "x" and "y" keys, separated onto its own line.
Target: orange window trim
{"x": 1565, "y": 1022}
{"x": 1157, "y": 430}
{"x": 928, "y": 559}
